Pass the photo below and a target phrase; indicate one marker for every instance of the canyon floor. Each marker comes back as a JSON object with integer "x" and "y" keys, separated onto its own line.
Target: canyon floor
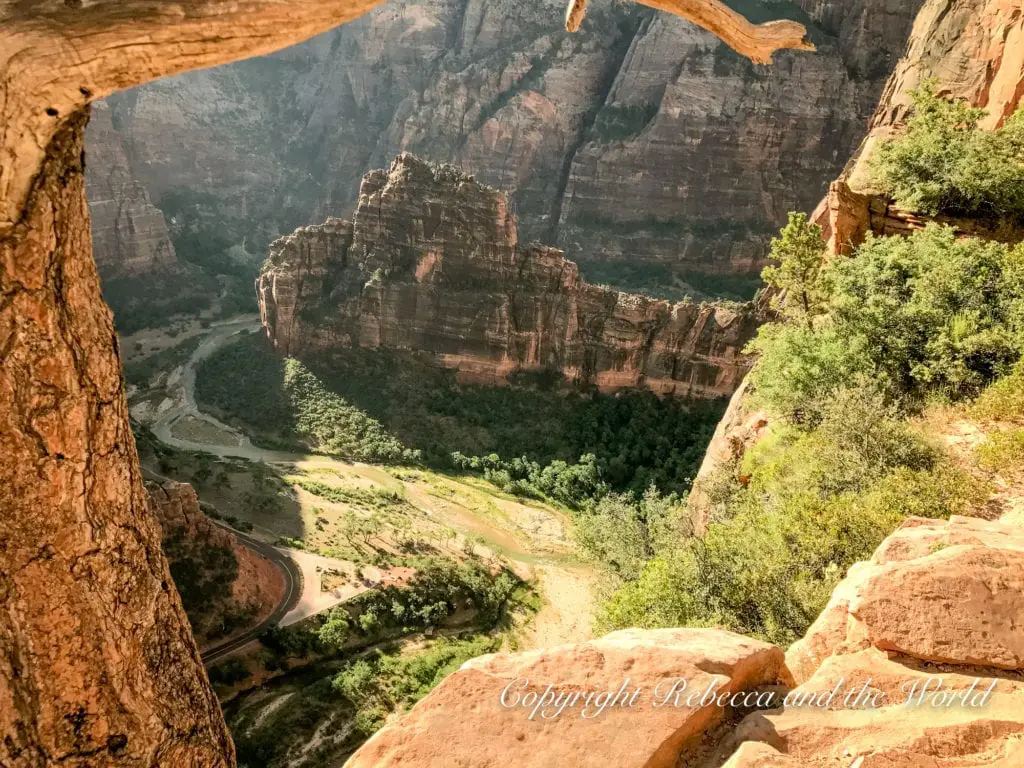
{"x": 342, "y": 512}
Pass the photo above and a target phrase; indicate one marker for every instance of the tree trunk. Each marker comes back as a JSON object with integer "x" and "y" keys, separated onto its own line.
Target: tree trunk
{"x": 97, "y": 663}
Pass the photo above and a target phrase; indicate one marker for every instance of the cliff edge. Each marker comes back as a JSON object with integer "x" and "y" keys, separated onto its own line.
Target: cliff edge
{"x": 916, "y": 661}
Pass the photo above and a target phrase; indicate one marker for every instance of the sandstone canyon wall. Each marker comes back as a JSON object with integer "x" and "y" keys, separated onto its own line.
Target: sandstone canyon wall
{"x": 641, "y": 140}
{"x": 973, "y": 50}
{"x": 97, "y": 663}
{"x": 432, "y": 262}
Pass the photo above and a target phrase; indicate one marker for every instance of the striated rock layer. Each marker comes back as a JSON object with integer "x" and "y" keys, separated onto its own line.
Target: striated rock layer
{"x": 641, "y": 145}
{"x": 129, "y": 233}
{"x": 432, "y": 262}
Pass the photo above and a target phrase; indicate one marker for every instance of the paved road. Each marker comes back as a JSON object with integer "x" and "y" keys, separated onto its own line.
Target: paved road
{"x": 293, "y": 591}
{"x": 293, "y": 583}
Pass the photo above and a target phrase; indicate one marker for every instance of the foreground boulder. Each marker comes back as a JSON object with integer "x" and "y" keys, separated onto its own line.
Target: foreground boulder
{"x": 939, "y": 591}
{"x": 484, "y": 714}
{"x": 916, "y": 661}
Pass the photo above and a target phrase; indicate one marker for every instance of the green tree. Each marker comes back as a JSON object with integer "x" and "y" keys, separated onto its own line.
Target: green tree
{"x": 800, "y": 253}
{"x": 943, "y": 163}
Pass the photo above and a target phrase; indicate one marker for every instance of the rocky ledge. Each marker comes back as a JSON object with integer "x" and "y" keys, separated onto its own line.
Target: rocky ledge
{"x": 917, "y": 661}
{"x": 431, "y": 261}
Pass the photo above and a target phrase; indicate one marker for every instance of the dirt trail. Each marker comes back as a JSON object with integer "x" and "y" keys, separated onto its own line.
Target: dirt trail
{"x": 961, "y": 436}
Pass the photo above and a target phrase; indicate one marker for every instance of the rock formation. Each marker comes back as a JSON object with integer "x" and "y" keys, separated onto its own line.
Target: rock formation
{"x": 931, "y": 620}
{"x": 129, "y": 234}
{"x": 503, "y": 709}
{"x": 231, "y": 584}
{"x": 648, "y": 151}
{"x": 98, "y": 665}
{"x": 432, "y": 262}
{"x": 972, "y": 48}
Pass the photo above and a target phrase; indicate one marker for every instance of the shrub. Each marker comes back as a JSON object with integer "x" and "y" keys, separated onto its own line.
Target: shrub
{"x": 816, "y": 501}
{"x": 944, "y": 163}
{"x": 1004, "y": 399}
{"x": 917, "y": 315}
{"x": 1002, "y": 450}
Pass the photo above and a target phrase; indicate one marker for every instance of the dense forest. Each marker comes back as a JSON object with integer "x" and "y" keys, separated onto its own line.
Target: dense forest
{"x": 539, "y": 436}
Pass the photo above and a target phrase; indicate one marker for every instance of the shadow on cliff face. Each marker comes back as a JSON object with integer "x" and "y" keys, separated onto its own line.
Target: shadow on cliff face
{"x": 384, "y": 406}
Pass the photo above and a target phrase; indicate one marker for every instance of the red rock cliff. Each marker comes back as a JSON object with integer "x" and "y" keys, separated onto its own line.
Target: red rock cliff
{"x": 432, "y": 262}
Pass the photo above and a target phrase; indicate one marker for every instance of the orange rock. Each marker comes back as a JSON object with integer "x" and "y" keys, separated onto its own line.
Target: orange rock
{"x": 959, "y": 605}
{"x": 464, "y": 721}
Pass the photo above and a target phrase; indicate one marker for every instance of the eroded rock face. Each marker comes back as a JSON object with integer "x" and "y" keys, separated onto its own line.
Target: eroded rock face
{"x": 129, "y": 234}
{"x": 641, "y": 138}
{"x": 463, "y": 720}
{"x": 432, "y": 262}
{"x": 939, "y": 591}
{"x": 98, "y": 665}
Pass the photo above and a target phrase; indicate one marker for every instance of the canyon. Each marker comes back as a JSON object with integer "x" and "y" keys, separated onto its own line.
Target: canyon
{"x": 647, "y": 150}
{"x": 431, "y": 261}
{"x": 81, "y": 684}
{"x": 100, "y": 667}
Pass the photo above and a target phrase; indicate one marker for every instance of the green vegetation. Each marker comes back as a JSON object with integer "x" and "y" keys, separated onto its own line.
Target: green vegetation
{"x": 203, "y": 573}
{"x": 662, "y": 281}
{"x": 816, "y": 501}
{"x": 1002, "y": 450}
{"x": 352, "y": 703}
{"x": 366, "y": 498}
{"x": 1004, "y": 399}
{"x": 384, "y": 682}
{"x": 376, "y": 405}
{"x": 151, "y": 302}
{"x": 283, "y": 399}
{"x": 917, "y": 316}
{"x": 442, "y": 591}
{"x": 800, "y": 253}
{"x": 860, "y": 345}
{"x": 142, "y": 371}
{"x": 382, "y": 678}
{"x": 943, "y": 163}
